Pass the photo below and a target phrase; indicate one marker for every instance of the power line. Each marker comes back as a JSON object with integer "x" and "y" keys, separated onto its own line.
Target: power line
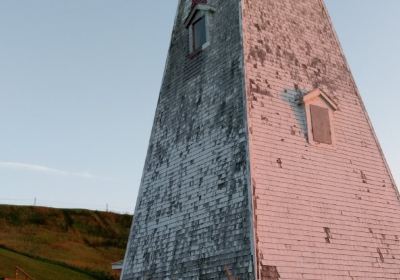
{"x": 63, "y": 204}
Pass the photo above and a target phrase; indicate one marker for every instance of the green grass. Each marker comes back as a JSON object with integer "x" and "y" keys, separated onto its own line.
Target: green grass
{"x": 84, "y": 239}
{"x": 39, "y": 269}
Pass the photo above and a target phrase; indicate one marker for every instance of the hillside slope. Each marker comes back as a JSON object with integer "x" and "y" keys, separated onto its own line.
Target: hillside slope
{"x": 37, "y": 269}
{"x": 80, "y": 238}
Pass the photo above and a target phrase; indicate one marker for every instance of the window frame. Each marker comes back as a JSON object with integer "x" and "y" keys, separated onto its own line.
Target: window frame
{"x": 197, "y": 12}
{"x": 320, "y": 99}
{"x": 199, "y": 15}
{"x": 193, "y": 29}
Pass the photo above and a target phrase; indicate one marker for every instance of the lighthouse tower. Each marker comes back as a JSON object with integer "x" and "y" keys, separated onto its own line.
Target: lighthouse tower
{"x": 262, "y": 162}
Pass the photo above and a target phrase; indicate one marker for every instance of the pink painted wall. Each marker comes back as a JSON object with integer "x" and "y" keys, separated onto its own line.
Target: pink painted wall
{"x": 320, "y": 212}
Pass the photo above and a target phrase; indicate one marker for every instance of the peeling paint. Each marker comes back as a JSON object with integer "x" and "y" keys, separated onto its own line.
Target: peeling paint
{"x": 269, "y": 273}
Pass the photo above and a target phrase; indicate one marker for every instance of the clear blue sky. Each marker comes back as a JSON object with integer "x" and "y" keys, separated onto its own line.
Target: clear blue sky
{"x": 79, "y": 81}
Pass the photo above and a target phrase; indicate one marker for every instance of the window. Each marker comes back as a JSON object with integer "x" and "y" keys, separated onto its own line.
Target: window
{"x": 199, "y": 34}
{"x": 320, "y": 109}
{"x": 321, "y": 126}
{"x": 197, "y": 22}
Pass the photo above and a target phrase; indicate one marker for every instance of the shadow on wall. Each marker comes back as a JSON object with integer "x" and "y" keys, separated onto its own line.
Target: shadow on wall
{"x": 292, "y": 97}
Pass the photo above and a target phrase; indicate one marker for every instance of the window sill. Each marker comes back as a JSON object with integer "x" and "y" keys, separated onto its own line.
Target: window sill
{"x": 195, "y": 53}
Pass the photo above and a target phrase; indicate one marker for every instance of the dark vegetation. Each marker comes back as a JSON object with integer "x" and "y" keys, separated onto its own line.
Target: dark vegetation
{"x": 81, "y": 240}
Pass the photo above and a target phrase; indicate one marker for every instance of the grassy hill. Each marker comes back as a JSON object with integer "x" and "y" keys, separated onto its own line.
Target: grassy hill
{"x": 37, "y": 268}
{"x": 47, "y": 239}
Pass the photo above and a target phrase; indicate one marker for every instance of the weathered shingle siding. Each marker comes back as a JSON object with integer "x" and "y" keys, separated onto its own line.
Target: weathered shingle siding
{"x": 193, "y": 217}
{"x": 321, "y": 213}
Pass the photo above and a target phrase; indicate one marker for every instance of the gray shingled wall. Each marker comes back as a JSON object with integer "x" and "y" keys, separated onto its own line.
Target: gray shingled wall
{"x": 192, "y": 217}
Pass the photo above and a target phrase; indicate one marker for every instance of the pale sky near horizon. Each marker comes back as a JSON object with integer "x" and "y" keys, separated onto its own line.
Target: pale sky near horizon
{"x": 79, "y": 82}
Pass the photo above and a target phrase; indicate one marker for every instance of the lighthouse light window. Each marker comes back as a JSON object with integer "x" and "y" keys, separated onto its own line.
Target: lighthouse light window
{"x": 199, "y": 33}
